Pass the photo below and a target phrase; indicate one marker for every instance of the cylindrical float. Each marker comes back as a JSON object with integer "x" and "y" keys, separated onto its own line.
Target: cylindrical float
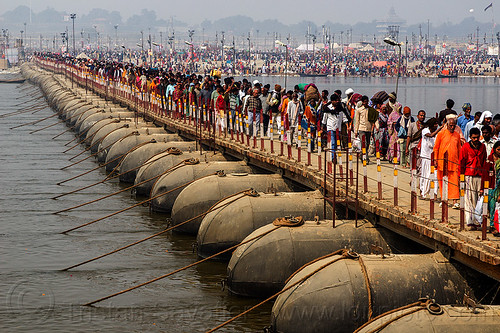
{"x": 124, "y": 145}
{"x": 332, "y": 294}
{"x": 186, "y": 174}
{"x": 199, "y": 196}
{"x": 432, "y": 317}
{"x": 261, "y": 267}
{"x": 142, "y": 154}
{"x": 160, "y": 163}
{"x": 230, "y": 224}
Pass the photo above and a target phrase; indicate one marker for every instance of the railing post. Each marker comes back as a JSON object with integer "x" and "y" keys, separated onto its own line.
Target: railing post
{"x": 282, "y": 138}
{"x": 309, "y": 147}
{"x": 365, "y": 171}
{"x": 349, "y": 153}
{"x": 299, "y": 138}
{"x": 432, "y": 193}
{"x": 395, "y": 163}
{"x": 413, "y": 202}
{"x": 379, "y": 170}
{"x": 339, "y": 153}
{"x": 288, "y": 138}
{"x": 319, "y": 153}
{"x": 462, "y": 202}
{"x": 485, "y": 210}
{"x": 329, "y": 147}
{"x": 271, "y": 131}
{"x": 334, "y": 162}
{"x": 261, "y": 130}
{"x": 444, "y": 199}
{"x": 254, "y": 129}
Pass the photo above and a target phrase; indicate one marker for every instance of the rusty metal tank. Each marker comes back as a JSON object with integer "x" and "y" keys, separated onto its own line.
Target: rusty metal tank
{"x": 160, "y": 163}
{"x": 336, "y": 294}
{"x": 230, "y": 224}
{"x": 432, "y": 317}
{"x": 117, "y": 150}
{"x": 261, "y": 267}
{"x": 139, "y": 156}
{"x": 199, "y": 196}
{"x": 188, "y": 174}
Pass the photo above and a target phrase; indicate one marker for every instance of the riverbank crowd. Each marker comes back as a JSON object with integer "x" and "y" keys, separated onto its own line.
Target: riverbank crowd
{"x": 452, "y": 147}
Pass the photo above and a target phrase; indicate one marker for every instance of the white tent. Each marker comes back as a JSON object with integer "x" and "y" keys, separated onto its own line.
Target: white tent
{"x": 309, "y": 47}
{"x": 82, "y": 56}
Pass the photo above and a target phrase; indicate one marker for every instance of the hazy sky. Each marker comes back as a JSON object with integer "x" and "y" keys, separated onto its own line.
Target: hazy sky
{"x": 318, "y": 11}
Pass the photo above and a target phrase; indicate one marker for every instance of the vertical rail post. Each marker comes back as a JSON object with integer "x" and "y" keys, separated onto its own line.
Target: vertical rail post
{"x": 271, "y": 131}
{"x": 395, "y": 163}
{"x": 444, "y": 199}
{"x": 299, "y": 139}
{"x": 309, "y": 147}
{"x": 349, "y": 153}
{"x": 379, "y": 170}
{"x": 261, "y": 130}
{"x": 254, "y": 128}
{"x": 339, "y": 153}
{"x": 485, "y": 210}
{"x": 413, "y": 201}
{"x": 365, "y": 171}
{"x": 432, "y": 190}
{"x": 329, "y": 147}
{"x": 462, "y": 202}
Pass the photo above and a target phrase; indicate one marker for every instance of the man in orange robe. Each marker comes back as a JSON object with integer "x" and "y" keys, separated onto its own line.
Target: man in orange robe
{"x": 448, "y": 141}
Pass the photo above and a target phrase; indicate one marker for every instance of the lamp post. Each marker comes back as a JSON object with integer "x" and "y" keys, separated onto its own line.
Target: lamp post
{"x": 392, "y": 42}
{"x": 227, "y": 47}
{"x": 249, "y": 63}
{"x": 116, "y": 35}
{"x": 280, "y": 43}
{"x": 192, "y": 52}
{"x": 498, "y": 53}
{"x": 222, "y": 47}
{"x": 73, "y": 17}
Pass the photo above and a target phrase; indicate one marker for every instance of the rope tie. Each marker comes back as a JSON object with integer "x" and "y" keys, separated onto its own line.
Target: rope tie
{"x": 289, "y": 221}
{"x": 422, "y": 304}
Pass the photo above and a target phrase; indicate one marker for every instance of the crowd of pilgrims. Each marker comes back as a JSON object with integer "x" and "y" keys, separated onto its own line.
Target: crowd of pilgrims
{"x": 455, "y": 143}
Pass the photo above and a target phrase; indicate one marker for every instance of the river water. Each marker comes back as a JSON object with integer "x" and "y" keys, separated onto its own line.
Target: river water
{"x": 39, "y": 297}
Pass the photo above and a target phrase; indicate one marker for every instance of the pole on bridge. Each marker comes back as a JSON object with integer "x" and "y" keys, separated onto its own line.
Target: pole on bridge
{"x": 299, "y": 138}
{"x": 339, "y": 154}
{"x": 365, "y": 171}
{"x": 282, "y": 138}
{"x": 444, "y": 199}
{"x": 329, "y": 147}
{"x": 309, "y": 147}
{"x": 349, "y": 153}
{"x": 271, "y": 131}
{"x": 379, "y": 170}
{"x": 254, "y": 128}
{"x": 485, "y": 209}
{"x": 261, "y": 130}
{"x": 432, "y": 193}
{"x": 395, "y": 163}
{"x": 462, "y": 202}
{"x": 413, "y": 201}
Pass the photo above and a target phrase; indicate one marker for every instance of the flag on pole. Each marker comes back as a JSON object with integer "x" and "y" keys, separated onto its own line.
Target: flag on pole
{"x": 489, "y": 6}
{"x": 66, "y": 18}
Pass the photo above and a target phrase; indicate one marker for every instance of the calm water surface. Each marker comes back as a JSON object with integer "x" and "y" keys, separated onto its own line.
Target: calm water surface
{"x": 39, "y": 297}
